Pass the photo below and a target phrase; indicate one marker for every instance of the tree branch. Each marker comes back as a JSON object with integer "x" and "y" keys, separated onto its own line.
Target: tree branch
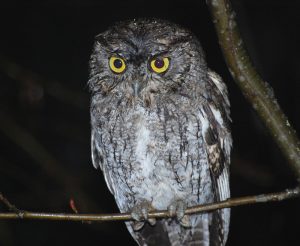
{"x": 255, "y": 89}
{"x": 233, "y": 202}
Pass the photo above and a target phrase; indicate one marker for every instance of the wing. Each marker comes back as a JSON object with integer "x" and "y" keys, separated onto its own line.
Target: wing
{"x": 98, "y": 160}
{"x": 215, "y": 129}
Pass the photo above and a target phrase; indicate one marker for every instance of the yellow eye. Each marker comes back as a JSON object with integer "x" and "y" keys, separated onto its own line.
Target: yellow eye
{"x": 160, "y": 65}
{"x": 117, "y": 64}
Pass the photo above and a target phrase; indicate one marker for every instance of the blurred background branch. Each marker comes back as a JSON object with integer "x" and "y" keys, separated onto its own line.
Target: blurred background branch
{"x": 22, "y": 138}
{"x": 52, "y": 87}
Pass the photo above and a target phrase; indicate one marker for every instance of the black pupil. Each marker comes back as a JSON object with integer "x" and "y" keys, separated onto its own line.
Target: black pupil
{"x": 118, "y": 63}
{"x": 159, "y": 63}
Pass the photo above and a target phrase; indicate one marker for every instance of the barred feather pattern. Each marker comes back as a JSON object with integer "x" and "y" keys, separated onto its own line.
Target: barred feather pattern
{"x": 167, "y": 145}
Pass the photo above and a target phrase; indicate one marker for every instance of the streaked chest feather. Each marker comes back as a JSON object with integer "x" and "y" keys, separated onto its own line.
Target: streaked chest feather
{"x": 155, "y": 154}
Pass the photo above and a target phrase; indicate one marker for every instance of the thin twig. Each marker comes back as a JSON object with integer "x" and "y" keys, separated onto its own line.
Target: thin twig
{"x": 256, "y": 90}
{"x": 234, "y": 202}
{"x": 10, "y": 206}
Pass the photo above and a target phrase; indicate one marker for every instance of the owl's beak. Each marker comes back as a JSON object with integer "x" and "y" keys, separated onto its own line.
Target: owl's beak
{"x": 136, "y": 87}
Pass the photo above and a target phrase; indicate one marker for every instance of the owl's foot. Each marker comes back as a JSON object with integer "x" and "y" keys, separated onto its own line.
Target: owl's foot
{"x": 177, "y": 209}
{"x": 140, "y": 214}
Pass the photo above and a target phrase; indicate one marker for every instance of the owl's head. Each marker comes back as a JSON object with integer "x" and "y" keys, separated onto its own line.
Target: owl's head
{"x": 143, "y": 59}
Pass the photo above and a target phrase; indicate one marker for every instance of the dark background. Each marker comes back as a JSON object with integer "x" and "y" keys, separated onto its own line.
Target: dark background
{"x": 44, "y": 115}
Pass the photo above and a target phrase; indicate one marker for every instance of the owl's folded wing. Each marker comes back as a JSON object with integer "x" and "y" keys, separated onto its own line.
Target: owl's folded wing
{"x": 99, "y": 161}
{"x": 216, "y": 133}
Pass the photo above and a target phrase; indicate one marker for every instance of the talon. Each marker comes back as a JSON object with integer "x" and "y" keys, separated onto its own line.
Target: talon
{"x": 177, "y": 209}
{"x": 181, "y": 207}
{"x": 145, "y": 212}
{"x": 172, "y": 210}
{"x": 138, "y": 225}
{"x": 185, "y": 221}
{"x": 152, "y": 221}
{"x": 136, "y": 216}
{"x": 140, "y": 214}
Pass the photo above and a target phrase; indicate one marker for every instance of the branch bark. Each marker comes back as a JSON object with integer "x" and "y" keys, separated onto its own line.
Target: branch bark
{"x": 257, "y": 91}
{"x": 233, "y": 202}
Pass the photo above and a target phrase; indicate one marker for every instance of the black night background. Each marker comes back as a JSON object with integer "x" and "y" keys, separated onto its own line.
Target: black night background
{"x": 44, "y": 115}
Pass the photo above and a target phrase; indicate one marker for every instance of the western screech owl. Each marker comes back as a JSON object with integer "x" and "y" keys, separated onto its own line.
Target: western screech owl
{"x": 160, "y": 131}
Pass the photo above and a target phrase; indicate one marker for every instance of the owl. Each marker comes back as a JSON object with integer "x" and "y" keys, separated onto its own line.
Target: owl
{"x": 160, "y": 131}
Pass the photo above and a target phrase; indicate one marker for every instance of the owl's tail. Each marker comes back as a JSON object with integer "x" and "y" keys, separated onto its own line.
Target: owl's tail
{"x": 171, "y": 233}
{"x": 197, "y": 234}
{"x": 205, "y": 231}
{"x": 151, "y": 235}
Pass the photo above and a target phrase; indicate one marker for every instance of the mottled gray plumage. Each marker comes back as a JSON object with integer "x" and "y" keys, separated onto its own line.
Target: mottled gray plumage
{"x": 161, "y": 139}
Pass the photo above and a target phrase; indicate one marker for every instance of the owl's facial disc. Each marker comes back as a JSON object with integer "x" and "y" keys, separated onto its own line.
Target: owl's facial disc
{"x": 145, "y": 59}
